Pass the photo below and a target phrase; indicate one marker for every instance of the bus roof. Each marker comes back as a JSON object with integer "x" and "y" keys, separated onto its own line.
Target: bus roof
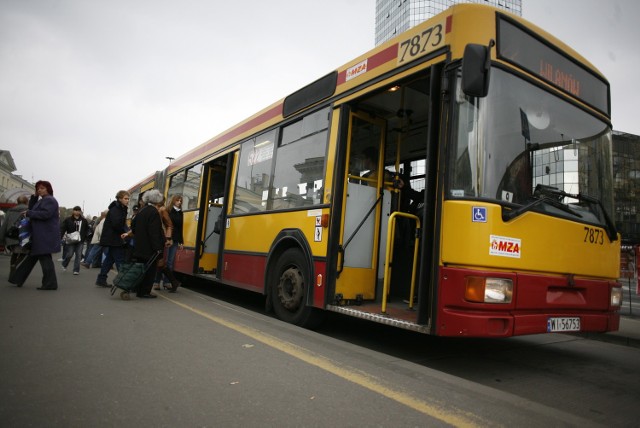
{"x": 472, "y": 22}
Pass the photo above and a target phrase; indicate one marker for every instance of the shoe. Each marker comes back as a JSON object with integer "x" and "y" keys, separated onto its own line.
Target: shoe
{"x": 47, "y": 288}
{"x": 148, "y": 296}
{"x": 102, "y": 284}
{"x": 156, "y": 286}
{"x": 76, "y": 273}
{"x": 85, "y": 265}
{"x": 175, "y": 286}
{"x": 165, "y": 286}
{"x": 64, "y": 269}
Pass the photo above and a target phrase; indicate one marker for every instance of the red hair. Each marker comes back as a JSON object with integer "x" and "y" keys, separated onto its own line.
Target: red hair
{"x": 46, "y": 185}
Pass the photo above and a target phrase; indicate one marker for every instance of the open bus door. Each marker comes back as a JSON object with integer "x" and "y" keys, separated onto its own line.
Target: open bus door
{"x": 217, "y": 175}
{"x": 367, "y": 206}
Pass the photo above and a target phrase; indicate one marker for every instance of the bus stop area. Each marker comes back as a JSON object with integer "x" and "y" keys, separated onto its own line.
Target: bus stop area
{"x": 80, "y": 354}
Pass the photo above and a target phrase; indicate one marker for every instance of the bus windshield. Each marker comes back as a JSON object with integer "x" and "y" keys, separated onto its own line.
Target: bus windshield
{"x": 521, "y": 138}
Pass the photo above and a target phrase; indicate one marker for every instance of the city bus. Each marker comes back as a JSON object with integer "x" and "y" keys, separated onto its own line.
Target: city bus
{"x": 454, "y": 181}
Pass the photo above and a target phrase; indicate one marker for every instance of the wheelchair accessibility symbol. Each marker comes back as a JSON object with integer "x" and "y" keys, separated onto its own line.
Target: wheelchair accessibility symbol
{"x": 479, "y": 214}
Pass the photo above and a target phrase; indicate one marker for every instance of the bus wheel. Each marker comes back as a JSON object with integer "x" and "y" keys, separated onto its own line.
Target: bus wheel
{"x": 289, "y": 290}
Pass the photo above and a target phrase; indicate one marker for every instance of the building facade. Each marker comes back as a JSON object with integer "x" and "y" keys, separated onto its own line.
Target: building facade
{"x": 395, "y": 16}
{"x": 11, "y": 185}
{"x": 626, "y": 176}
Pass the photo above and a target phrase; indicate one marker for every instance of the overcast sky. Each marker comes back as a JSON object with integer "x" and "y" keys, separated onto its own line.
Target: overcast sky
{"x": 94, "y": 95}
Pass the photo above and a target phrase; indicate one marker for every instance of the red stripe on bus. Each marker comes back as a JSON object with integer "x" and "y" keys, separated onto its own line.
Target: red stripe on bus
{"x": 319, "y": 288}
{"x": 246, "y": 271}
{"x": 244, "y": 127}
{"x": 448, "y": 24}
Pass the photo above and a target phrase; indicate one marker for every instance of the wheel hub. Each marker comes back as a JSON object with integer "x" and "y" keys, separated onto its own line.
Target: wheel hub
{"x": 290, "y": 289}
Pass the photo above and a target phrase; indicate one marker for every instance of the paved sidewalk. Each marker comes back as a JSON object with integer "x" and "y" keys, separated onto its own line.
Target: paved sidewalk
{"x": 628, "y": 334}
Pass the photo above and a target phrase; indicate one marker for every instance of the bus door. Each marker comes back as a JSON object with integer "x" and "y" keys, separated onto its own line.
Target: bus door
{"x": 367, "y": 206}
{"x": 213, "y": 213}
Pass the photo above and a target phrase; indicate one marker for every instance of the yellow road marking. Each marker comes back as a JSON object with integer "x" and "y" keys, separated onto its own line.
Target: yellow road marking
{"x": 350, "y": 374}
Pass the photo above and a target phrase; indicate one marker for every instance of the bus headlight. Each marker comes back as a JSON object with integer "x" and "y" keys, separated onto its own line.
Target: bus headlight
{"x": 616, "y": 296}
{"x": 488, "y": 290}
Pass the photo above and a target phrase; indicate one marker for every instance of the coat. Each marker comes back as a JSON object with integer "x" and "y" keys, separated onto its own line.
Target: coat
{"x": 13, "y": 214}
{"x": 177, "y": 219}
{"x": 44, "y": 217}
{"x": 97, "y": 233}
{"x": 115, "y": 224}
{"x": 69, "y": 226}
{"x": 148, "y": 233}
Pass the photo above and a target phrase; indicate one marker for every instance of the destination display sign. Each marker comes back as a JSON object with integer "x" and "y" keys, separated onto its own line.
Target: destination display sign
{"x": 546, "y": 61}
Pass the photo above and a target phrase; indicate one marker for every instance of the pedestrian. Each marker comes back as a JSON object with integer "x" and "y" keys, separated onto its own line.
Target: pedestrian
{"x": 174, "y": 208}
{"x": 94, "y": 255}
{"x": 164, "y": 271}
{"x": 114, "y": 231}
{"x": 13, "y": 214}
{"x": 149, "y": 240}
{"x": 44, "y": 218}
{"x": 73, "y": 248}
{"x": 130, "y": 238}
{"x": 92, "y": 227}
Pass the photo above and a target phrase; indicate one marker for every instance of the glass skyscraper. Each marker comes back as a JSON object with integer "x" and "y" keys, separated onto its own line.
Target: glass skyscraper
{"x": 395, "y": 16}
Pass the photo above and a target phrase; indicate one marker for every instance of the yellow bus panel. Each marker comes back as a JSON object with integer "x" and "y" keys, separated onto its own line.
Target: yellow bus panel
{"x": 532, "y": 242}
{"x": 256, "y": 233}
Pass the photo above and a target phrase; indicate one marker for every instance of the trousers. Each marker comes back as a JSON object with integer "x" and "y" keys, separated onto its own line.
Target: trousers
{"x": 23, "y": 270}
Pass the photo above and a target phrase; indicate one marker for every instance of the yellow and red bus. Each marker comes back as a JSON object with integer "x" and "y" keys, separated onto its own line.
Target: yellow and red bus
{"x": 456, "y": 181}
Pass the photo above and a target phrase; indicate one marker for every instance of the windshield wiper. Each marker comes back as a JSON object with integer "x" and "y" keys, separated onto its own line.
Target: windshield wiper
{"x": 542, "y": 194}
{"x": 554, "y": 196}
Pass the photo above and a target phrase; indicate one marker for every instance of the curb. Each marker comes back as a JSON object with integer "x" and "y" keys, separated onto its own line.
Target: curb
{"x": 614, "y": 338}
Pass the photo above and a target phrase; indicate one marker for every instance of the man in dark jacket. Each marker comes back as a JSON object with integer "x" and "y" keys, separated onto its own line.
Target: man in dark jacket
{"x": 74, "y": 223}
{"x": 113, "y": 235}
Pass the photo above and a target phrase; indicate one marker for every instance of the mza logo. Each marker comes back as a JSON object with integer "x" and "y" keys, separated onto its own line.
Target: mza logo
{"x": 356, "y": 70}
{"x": 505, "y": 247}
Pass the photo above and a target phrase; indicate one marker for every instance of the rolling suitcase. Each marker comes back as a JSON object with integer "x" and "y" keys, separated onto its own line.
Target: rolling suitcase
{"x": 130, "y": 275}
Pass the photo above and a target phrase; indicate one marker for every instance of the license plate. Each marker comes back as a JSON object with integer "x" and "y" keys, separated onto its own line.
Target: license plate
{"x": 563, "y": 324}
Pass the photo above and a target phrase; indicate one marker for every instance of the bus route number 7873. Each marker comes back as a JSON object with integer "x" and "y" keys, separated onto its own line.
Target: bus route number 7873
{"x": 421, "y": 44}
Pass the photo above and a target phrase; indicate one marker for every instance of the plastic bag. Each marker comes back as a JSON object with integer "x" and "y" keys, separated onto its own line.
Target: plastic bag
{"x": 24, "y": 233}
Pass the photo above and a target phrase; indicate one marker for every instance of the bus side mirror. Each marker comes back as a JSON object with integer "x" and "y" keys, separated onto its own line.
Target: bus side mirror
{"x": 476, "y": 65}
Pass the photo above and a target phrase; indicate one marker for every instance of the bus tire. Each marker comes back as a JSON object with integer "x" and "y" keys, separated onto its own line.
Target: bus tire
{"x": 289, "y": 290}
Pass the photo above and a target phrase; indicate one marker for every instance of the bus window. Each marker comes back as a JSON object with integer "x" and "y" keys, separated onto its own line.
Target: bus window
{"x": 298, "y": 179}
{"x": 176, "y": 184}
{"x": 191, "y": 187}
{"x": 252, "y": 184}
{"x": 187, "y": 184}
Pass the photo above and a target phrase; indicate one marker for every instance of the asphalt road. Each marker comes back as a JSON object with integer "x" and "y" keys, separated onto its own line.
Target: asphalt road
{"x": 80, "y": 357}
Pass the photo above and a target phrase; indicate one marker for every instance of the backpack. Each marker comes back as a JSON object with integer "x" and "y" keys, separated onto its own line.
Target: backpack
{"x": 13, "y": 231}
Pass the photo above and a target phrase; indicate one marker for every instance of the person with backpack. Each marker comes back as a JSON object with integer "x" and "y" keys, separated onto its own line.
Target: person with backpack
{"x": 11, "y": 243}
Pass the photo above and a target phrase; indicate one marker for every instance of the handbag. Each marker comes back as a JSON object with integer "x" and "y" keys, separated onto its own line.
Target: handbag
{"x": 72, "y": 238}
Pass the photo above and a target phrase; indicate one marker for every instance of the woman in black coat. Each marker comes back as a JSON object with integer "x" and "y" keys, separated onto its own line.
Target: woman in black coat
{"x": 149, "y": 240}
